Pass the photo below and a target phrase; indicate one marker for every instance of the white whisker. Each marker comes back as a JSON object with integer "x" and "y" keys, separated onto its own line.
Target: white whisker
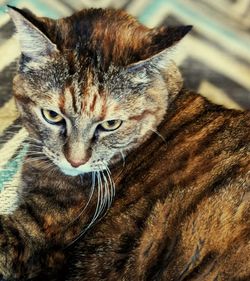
{"x": 105, "y": 195}
{"x": 34, "y": 145}
{"x": 112, "y": 184}
{"x": 107, "y": 192}
{"x": 123, "y": 158}
{"x": 84, "y": 207}
{"x": 158, "y": 134}
{"x": 97, "y": 204}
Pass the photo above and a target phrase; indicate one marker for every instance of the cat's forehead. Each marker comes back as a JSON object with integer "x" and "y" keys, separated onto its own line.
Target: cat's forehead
{"x": 83, "y": 99}
{"x": 83, "y": 91}
{"x": 86, "y": 98}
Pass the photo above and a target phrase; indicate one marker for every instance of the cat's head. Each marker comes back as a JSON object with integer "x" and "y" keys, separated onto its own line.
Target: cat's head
{"x": 90, "y": 87}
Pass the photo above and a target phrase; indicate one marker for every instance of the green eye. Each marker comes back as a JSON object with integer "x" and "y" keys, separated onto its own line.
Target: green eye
{"x": 52, "y": 117}
{"x": 110, "y": 125}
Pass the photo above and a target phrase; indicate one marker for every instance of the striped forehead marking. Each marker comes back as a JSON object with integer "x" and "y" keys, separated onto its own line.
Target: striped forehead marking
{"x": 94, "y": 104}
{"x": 73, "y": 98}
{"x": 87, "y": 101}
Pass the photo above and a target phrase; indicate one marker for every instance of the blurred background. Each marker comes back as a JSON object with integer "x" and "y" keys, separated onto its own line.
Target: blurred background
{"x": 214, "y": 59}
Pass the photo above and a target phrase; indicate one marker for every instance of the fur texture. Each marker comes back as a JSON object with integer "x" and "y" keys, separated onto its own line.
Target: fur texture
{"x": 179, "y": 163}
{"x": 182, "y": 206}
{"x": 101, "y": 75}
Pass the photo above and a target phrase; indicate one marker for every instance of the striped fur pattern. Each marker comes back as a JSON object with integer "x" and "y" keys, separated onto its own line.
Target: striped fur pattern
{"x": 86, "y": 83}
{"x": 182, "y": 208}
{"x": 182, "y": 205}
{"x": 214, "y": 60}
{"x": 102, "y": 76}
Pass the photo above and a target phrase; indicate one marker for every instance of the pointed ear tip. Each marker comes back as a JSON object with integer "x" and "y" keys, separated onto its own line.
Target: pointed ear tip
{"x": 187, "y": 28}
{"x": 11, "y": 9}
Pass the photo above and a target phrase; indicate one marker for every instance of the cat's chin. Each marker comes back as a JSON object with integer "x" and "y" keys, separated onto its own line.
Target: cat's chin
{"x": 73, "y": 172}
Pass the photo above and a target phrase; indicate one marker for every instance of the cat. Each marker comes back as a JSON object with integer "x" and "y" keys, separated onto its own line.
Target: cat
{"x": 68, "y": 155}
{"x": 99, "y": 96}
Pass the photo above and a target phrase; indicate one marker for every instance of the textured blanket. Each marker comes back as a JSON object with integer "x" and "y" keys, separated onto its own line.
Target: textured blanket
{"x": 214, "y": 60}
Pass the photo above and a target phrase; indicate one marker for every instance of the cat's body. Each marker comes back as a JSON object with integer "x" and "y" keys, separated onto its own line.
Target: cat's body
{"x": 181, "y": 209}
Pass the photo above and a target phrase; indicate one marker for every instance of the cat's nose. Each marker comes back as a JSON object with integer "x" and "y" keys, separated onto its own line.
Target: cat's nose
{"x": 76, "y": 155}
{"x": 77, "y": 163}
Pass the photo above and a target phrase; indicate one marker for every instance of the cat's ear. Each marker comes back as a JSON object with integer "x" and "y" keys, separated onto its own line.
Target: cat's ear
{"x": 34, "y": 43}
{"x": 157, "y": 45}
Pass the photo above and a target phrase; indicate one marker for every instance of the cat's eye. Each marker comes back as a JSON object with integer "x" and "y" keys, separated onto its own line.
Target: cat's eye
{"x": 52, "y": 117}
{"x": 110, "y": 125}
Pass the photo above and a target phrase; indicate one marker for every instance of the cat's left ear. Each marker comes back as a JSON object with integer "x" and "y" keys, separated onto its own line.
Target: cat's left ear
{"x": 34, "y": 43}
{"x": 157, "y": 44}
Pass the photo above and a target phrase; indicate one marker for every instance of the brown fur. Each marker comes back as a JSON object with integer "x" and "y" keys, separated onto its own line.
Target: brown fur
{"x": 182, "y": 207}
{"x": 181, "y": 210}
{"x": 192, "y": 224}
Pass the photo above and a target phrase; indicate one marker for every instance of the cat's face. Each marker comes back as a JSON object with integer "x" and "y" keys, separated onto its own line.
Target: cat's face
{"x": 84, "y": 123}
{"x": 85, "y": 110}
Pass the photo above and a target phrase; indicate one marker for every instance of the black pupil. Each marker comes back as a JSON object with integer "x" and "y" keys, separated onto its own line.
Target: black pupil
{"x": 111, "y": 123}
{"x": 53, "y": 114}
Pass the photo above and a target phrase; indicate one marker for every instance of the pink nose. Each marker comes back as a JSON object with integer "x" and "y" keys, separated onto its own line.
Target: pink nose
{"x": 76, "y": 163}
{"x": 76, "y": 158}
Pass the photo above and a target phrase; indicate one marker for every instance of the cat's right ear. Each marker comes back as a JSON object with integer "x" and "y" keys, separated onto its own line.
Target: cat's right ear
{"x": 34, "y": 43}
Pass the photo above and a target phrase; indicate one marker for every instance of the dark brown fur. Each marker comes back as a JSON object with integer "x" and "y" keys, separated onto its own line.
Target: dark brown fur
{"x": 181, "y": 210}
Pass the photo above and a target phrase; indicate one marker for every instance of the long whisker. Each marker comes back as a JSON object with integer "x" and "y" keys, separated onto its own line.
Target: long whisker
{"x": 43, "y": 163}
{"x": 112, "y": 184}
{"x": 95, "y": 214}
{"x": 159, "y": 135}
{"x": 99, "y": 199}
{"x": 83, "y": 208}
{"x": 107, "y": 192}
{"x": 108, "y": 198}
{"x": 33, "y": 154}
{"x": 123, "y": 158}
{"x": 105, "y": 195}
{"x": 34, "y": 151}
{"x": 35, "y": 157}
{"x": 34, "y": 139}
{"x": 102, "y": 205}
{"x": 34, "y": 145}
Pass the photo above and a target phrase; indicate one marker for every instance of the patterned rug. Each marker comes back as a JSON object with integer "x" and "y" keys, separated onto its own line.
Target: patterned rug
{"x": 214, "y": 60}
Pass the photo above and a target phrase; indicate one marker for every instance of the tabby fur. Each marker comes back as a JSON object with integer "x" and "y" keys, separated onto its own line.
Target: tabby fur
{"x": 181, "y": 210}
